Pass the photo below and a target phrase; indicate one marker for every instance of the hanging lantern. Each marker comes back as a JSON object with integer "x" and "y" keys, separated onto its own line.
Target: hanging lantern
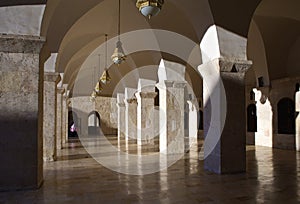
{"x": 149, "y": 8}
{"x": 118, "y": 56}
{"x": 93, "y": 96}
{"x": 105, "y": 78}
{"x": 98, "y": 88}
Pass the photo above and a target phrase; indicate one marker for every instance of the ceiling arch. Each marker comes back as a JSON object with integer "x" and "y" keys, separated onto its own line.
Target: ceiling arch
{"x": 278, "y": 22}
{"x": 76, "y": 35}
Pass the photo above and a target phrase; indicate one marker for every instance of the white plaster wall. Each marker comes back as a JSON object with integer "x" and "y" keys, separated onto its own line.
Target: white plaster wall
{"x": 21, "y": 20}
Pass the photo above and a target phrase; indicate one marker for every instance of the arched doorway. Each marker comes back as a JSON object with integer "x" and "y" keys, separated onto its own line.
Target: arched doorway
{"x": 286, "y": 116}
{"x": 73, "y": 125}
{"x": 94, "y": 123}
{"x": 251, "y": 118}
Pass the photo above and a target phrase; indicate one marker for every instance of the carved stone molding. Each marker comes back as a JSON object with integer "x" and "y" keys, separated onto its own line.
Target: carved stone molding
{"x": 147, "y": 94}
{"x": 131, "y": 101}
{"x": 60, "y": 90}
{"x": 227, "y": 65}
{"x": 21, "y": 43}
{"x": 52, "y": 77}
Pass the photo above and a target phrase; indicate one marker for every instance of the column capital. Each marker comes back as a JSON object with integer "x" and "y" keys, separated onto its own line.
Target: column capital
{"x": 52, "y": 77}
{"x": 146, "y": 94}
{"x": 191, "y": 105}
{"x": 65, "y": 97}
{"x": 130, "y": 101}
{"x": 179, "y": 84}
{"x": 230, "y": 65}
{"x": 168, "y": 83}
{"x": 165, "y": 84}
{"x": 60, "y": 90}
{"x": 21, "y": 43}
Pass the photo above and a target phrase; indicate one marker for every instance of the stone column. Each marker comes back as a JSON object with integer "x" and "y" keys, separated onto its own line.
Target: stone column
{"x": 130, "y": 116}
{"x": 60, "y": 92}
{"x": 264, "y": 134}
{"x": 121, "y": 118}
{"x": 171, "y": 100}
{"x": 21, "y": 112}
{"x": 64, "y": 119}
{"x": 193, "y": 125}
{"x": 298, "y": 121}
{"x": 224, "y": 104}
{"x": 49, "y": 126}
{"x": 145, "y": 121}
{"x": 147, "y": 139}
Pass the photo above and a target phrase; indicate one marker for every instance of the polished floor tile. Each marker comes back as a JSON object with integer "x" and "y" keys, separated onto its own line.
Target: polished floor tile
{"x": 272, "y": 177}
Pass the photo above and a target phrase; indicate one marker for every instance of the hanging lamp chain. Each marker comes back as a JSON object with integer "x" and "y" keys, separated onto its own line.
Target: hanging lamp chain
{"x": 119, "y": 24}
{"x": 105, "y": 52}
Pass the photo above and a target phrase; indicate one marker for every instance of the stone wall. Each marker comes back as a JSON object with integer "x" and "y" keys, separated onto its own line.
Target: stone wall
{"x": 105, "y": 106}
{"x": 21, "y": 109}
{"x": 267, "y": 99}
{"x": 283, "y": 88}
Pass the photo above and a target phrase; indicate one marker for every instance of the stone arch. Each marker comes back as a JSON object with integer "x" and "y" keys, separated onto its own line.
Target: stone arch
{"x": 94, "y": 123}
{"x": 256, "y": 52}
{"x": 271, "y": 23}
{"x": 73, "y": 124}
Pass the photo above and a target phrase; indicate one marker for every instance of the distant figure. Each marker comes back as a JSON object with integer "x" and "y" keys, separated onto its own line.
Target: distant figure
{"x": 73, "y": 132}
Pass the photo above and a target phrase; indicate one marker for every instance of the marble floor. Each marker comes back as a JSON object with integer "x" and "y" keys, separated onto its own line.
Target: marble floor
{"x": 272, "y": 177}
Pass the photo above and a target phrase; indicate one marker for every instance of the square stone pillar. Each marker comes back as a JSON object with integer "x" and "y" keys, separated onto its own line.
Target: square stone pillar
{"x": 64, "y": 119}
{"x": 171, "y": 100}
{"x": 297, "y": 120}
{"x": 193, "y": 125}
{"x": 121, "y": 118}
{"x": 265, "y": 117}
{"x": 21, "y": 112}
{"x": 59, "y": 111}
{"x": 224, "y": 115}
{"x": 49, "y": 126}
{"x": 130, "y": 116}
{"x": 146, "y": 121}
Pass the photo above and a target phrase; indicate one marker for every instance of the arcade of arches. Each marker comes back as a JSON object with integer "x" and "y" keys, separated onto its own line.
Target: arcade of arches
{"x": 215, "y": 82}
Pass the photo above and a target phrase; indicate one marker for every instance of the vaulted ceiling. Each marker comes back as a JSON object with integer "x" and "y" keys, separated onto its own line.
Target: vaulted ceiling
{"x": 76, "y": 30}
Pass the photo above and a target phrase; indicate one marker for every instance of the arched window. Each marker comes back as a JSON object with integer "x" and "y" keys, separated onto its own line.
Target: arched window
{"x": 93, "y": 123}
{"x": 94, "y": 119}
{"x": 251, "y": 118}
{"x": 286, "y": 116}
